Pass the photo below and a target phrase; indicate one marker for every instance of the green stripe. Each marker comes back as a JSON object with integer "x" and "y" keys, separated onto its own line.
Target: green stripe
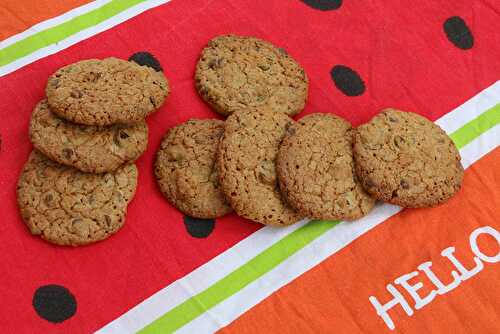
{"x": 60, "y": 32}
{"x": 476, "y": 127}
{"x": 238, "y": 279}
{"x": 283, "y": 249}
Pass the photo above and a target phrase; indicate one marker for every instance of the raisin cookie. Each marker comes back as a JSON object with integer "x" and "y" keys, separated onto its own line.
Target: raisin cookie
{"x": 316, "y": 169}
{"x": 247, "y": 166}
{"x": 235, "y": 72}
{"x": 405, "y": 159}
{"x": 185, "y": 168}
{"x": 67, "y": 207}
{"x": 93, "y": 149}
{"x": 105, "y": 92}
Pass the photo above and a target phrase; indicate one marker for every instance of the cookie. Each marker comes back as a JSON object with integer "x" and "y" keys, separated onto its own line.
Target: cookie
{"x": 316, "y": 170}
{"x": 93, "y": 149}
{"x": 405, "y": 159}
{"x": 67, "y": 207}
{"x": 185, "y": 168}
{"x": 235, "y": 72}
{"x": 105, "y": 92}
{"x": 247, "y": 166}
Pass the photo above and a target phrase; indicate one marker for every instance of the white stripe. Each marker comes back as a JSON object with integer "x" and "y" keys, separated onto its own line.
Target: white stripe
{"x": 82, "y": 35}
{"x": 471, "y": 109}
{"x": 198, "y": 280}
{"x": 321, "y": 248}
{"x": 480, "y": 146}
{"x": 53, "y": 22}
{"x": 313, "y": 254}
{"x": 333, "y": 240}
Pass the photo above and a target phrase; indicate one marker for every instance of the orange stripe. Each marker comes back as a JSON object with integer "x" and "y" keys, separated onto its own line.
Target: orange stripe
{"x": 18, "y": 15}
{"x": 333, "y": 297}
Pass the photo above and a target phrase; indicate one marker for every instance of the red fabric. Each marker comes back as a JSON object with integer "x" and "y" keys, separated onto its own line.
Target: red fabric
{"x": 399, "y": 50}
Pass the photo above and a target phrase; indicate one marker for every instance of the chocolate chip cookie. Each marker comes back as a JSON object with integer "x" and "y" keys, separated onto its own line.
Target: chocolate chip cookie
{"x": 93, "y": 149}
{"x": 105, "y": 92}
{"x": 405, "y": 159}
{"x": 67, "y": 207}
{"x": 236, "y": 72}
{"x": 185, "y": 168}
{"x": 247, "y": 166}
{"x": 316, "y": 169}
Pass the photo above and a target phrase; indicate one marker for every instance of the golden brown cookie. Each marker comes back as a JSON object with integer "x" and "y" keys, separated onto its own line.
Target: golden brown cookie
{"x": 106, "y": 92}
{"x": 316, "y": 169}
{"x": 405, "y": 159}
{"x": 236, "y": 72}
{"x": 93, "y": 149}
{"x": 247, "y": 166}
{"x": 67, "y": 207}
{"x": 185, "y": 168}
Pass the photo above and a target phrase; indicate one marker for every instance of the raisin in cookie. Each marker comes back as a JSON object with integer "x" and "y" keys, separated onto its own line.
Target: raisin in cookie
{"x": 93, "y": 149}
{"x": 316, "y": 169}
{"x": 236, "y": 72}
{"x": 67, "y": 207}
{"x": 105, "y": 92}
{"x": 405, "y": 159}
{"x": 247, "y": 166}
{"x": 185, "y": 168}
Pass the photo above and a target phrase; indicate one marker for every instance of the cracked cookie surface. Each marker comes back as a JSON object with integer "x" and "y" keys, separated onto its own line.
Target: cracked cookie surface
{"x": 185, "y": 168}
{"x": 236, "y": 72}
{"x": 105, "y": 92}
{"x": 93, "y": 149}
{"x": 405, "y": 159}
{"x": 67, "y": 207}
{"x": 316, "y": 169}
{"x": 247, "y": 166}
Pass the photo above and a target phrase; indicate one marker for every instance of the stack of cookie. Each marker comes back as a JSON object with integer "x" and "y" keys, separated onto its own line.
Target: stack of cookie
{"x": 275, "y": 171}
{"x": 234, "y": 75}
{"x": 80, "y": 177}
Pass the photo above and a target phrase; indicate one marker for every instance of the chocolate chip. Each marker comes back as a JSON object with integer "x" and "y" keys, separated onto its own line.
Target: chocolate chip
{"x": 267, "y": 173}
{"x": 123, "y": 135}
{"x": 67, "y": 153}
{"x": 398, "y": 141}
{"x": 392, "y": 119}
{"x": 404, "y": 184}
{"x": 264, "y": 67}
{"x": 48, "y": 199}
{"x": 212, "y": 63}
{"x": 77, "y": 221}
{"x": 93, "y": 77}
{"x": 76, "y": 94}
{"x": 369, "y": 183}
{"x": 107, "y": 219}
{"x": 216, "y": 63}
{"x": 152, "y": 100}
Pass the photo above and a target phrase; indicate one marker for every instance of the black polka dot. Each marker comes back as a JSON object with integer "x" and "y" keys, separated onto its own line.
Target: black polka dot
{"x": 146, "y": 59}
{"x": 199, "y": 228}
{"x": 458, "y": 33}
{"x": 347, "y": 80}
{"x": 54, "y": 303}
{"x": 323, "y": 4}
